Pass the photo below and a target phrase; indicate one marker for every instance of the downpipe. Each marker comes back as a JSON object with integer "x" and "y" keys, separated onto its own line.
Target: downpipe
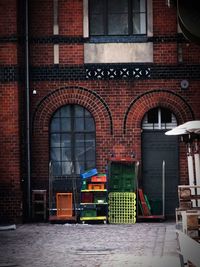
{"x": 28, "y": 184}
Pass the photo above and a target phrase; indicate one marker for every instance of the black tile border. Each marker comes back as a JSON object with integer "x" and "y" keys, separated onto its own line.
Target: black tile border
{"x": 101, "y": 72}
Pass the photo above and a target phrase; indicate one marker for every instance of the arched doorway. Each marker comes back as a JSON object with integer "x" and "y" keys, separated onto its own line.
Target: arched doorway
{"x": 156, "y": 147}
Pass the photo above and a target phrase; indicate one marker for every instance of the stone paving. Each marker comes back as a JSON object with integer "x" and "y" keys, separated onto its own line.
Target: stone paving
{"x": 90, "y": 245}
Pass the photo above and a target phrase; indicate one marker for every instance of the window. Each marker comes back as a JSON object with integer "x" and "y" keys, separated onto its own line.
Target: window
{"x": 117, "y": 17}
{"x": 159, "y": 119}
{"x": 72, "y": 140}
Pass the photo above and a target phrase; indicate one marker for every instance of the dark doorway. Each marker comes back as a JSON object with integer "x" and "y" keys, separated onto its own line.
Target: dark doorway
{"x": 156, "y": 148}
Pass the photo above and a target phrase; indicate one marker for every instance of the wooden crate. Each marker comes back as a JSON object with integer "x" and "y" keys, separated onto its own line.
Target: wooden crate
{"x": 64, "y": 204}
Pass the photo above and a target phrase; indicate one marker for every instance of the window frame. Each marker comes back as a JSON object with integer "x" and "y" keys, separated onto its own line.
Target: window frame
{"x": 73, "y": 134}
{"x": 158, "y": 123}
{"x": 130, "y": 34}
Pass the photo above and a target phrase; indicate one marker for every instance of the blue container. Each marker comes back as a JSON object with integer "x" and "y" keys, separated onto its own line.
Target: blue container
{"x": 89, "y": 173}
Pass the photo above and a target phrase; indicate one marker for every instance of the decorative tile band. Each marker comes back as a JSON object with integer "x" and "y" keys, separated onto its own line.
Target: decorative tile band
{"x": 100, "y": 72}
{"x": 117, "y": 72}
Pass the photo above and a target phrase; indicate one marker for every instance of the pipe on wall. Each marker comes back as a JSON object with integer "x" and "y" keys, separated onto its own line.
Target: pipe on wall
{"x": 28, "y": 184}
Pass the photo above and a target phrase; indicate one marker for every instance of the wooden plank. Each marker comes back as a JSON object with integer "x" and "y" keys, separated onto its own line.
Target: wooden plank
{"x": 145, "y": 209}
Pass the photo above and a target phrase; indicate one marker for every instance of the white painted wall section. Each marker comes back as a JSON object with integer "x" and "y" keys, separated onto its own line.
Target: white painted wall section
{"x": 118, "y": 53}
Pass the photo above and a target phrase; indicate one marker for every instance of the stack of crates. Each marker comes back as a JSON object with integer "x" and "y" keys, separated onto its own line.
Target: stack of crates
{"x": 122, "y": 207}
{"x": 93, "y": 197}
{"x": 122, "y": 176}
{"x": 122, "y": 196}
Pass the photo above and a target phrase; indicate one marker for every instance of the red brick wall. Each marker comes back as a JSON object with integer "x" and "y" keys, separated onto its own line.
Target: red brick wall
{"x": 10, "y": 181}
{"x": 71, "y": 17}
{"x": 10, "y": 178}
{"x": 118, "y": 106}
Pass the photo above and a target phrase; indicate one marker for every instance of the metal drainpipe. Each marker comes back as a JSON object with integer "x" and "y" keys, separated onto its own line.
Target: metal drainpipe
{"x": 28, "y": 193}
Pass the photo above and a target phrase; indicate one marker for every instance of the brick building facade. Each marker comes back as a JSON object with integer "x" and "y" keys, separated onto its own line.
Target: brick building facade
{"x": 117, "y": 78}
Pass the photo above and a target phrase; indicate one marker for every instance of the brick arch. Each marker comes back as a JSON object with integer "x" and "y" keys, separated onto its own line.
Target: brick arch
{"x": 164, "y": 98}
{"x": 72, "y": 95}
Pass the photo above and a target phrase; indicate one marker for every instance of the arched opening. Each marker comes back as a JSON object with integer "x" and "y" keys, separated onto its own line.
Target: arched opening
{"x": 72, "y": 151}
{"x": 156, "y": 148}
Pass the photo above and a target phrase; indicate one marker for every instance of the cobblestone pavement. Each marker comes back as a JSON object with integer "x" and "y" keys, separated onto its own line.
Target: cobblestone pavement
{"x": 90, "y": 245}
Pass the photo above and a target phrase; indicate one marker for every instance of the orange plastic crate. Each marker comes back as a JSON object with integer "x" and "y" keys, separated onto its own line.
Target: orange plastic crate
{"x": 96, "y": 186}
{"x": 64, "y": 204}
{"x": 99, "y": 178}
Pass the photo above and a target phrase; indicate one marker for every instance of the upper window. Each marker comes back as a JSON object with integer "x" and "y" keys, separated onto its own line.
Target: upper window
{"x": 159, "y": 119}
{"x": 72, "y": 140}
{"x": 117, "y": 17}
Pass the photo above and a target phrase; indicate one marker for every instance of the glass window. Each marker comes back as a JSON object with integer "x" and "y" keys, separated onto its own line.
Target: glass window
{"x": 72, "y": 140}
{"x": 159, "y": 119}
{"x": 117, "y": 17}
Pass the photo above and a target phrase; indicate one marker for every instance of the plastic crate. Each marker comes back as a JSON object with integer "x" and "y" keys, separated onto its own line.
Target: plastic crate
{"x": 122, "y": 207}
{"x": 87, "y": 197}
{"x": 99, "y": 178}
{"x": 89, "y": 173}
{"x": 87, "y": 206}
{"x": 84, "y": 185}
{"x": 122, "y": 220}
{"x": 64, "y": 204}
{"x": 115, "y": 185}
{"x": 96, "y": 186}
{"x": 88, "y": 213}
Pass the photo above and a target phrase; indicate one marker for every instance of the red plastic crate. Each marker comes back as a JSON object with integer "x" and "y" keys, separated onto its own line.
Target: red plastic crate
{"x": 96, "y": 186}
{"x": 87, "y": 197}
{"x": 99, "y": 178}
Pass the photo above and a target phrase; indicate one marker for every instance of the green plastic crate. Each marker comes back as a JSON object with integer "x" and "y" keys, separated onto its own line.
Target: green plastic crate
{"x": 89, "y": 213}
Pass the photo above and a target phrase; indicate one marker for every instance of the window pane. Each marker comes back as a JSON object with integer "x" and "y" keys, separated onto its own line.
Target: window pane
{"x": 117, "y": 6}
{"x": 66, "y": 154}
{"x": 90, "y": 143}
{"x": 79, "y": 124}
{"x": 56, "y": 166}
{"x": 153, "y": 116}
{"x": 90, "y": 154}
{"x": 118, "y": 24}
{"x": 139, "y": 23}
{"x": 55, "y": 154}
{"x": 79, "y": 111}
{"x": 72, "y": 140}
{"x": 90, "y": 165}
{"x": 66, "y": 140}
{"x": 166, "y": 115}
{"x": 65, "y": 124}
{"x": 80, "y": 166}
{"x": 96, "y": 25}
{"x": 79, "y": 140}
{"x": 80, "y": 153}
{"x": 55, "y": 140}
{"x": 57, "y": 114}
{"x": 55, "y": 125}
{"x": 65, "y": 111}
{"x": 96, "y": 17}
{"x": 88, "y": 114}
{"x": 89, "y": 124}
{"x": 96, "y": 6}
{"x": 67, "y": 168}
{"x": 139, "y": 5}
{"x": 117, "y": 17}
